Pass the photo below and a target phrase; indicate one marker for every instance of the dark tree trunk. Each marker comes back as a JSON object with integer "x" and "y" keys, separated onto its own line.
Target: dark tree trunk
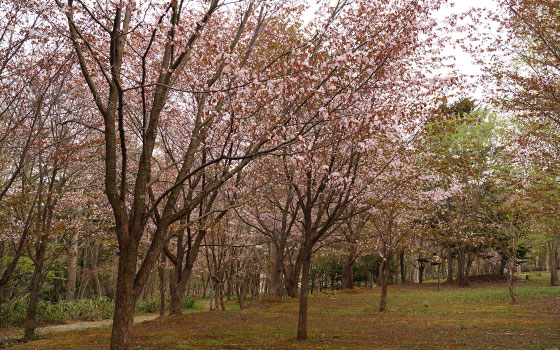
{"x": 421, "y": 272}
{"x": 553, "y": 261}
{"x": 275, "y": 290}
{"x": 125, "y": 300}
{"x": 161, "y": 272}
{"x": 31, "y": 317}
{"x": 303, "y": 298}
{"x": 502, "y": 267}
{"x": 466, "y": 276}
{"x": 94, "y": 269}
{"x": 241, "y": 291}
{"x": 403, "y": 267}
{"x": 72, "y": 268}
{"x": 176, "y": 292}
{"x": 384, "y": 281}
{"x": 292, "y": 280}
{"x": 183, "y": 264}
{"x": 461, "y": 267}
{"x": 449, "y": 266}
{"x": 348, "y": 269}
{"x": 510, "y": 285}
{"x": 348, "y": 276}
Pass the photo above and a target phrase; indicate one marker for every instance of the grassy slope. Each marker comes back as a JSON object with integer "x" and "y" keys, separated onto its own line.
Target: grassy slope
{"x": 479, "y": 317}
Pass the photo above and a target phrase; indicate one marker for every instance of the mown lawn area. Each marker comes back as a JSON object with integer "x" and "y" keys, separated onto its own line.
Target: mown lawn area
{"x": 419, "y": 317}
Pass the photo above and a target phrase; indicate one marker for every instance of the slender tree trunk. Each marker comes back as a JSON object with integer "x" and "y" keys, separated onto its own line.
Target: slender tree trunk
{"x": 222, "y": 290}
{"x": 403, "y": 266}
{"x": 348, "y": 269}
{"x": 31, "y": 317}
{"x": 95, "y": 268}
{"x": 461, "y": 267}
{"x": 449, "y": 266}
{"x": 110, "y": 286}
{"x": 511, "y": 294}
{"x": 240, "y": 291}
{"x": 467, "y": 274}
{"x": 384, "y": 281}
{"x": 438, "y": 276}
{"x": 206, "y": 282}
{"x": 421, "y": 272}
{"x": 553, "y": 262}
{"x": 72, "y": 268}
{"x": 303, "y": 297}
{"x": 161, "y": 272}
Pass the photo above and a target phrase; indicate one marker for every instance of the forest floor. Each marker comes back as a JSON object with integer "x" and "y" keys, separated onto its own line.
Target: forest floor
{"x": 419, "y": 317}
{"x": 13, "y": 333}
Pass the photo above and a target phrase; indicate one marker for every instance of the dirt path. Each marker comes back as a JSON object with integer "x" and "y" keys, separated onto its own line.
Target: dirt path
{"x": 16, "y": 333}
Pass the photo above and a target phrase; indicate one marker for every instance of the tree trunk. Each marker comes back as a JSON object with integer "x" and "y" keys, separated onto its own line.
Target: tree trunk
{"x": 420, "y": 272}
{"x": 553, "y": 262}
{"x": 292, "y": 282}
{"x": 240, "y": 290}
{"x": 222, "y": 293}
{"x": 467, "y": 274}
{"x": 276, "y": 290}
{"x": 403, "y": 267}
{"x": 461, "y": 267}
{"x": 31, "y": 317}
{"x": 161, "y": 272}
{"x": 125, "y": 300}
{"x": 449, "y": 266}
{"x": 384, "y": 279}
{"x": 348, "y": 276}
{"x": 502, "y": 267}
{"x": 176, "y": 292}
{"x": 348, "y": 269}
{"x": 72, "y": 268}
{"x": 303, "y": 297}
{"x": 438, "y": 276}
{"x": 94, "y": 269}
{"x": 512, "y": 265}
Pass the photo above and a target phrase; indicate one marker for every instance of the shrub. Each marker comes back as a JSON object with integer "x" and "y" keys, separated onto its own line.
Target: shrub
{"x": 150, "y": 305}
{"x": 12, "y": 313}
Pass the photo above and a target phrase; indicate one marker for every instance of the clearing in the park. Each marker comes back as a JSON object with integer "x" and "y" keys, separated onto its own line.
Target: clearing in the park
{"x": 419, "y": 317}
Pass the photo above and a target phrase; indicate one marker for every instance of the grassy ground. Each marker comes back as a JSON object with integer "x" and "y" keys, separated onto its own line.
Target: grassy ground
{"x": 419, "y": 317}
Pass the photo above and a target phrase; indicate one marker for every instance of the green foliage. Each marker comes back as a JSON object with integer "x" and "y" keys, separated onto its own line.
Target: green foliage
{"x": 187, "y": 302}
{"x": 148, "y": 306}
{"x": 152, "y": 305}
{"x": 13, "y": 313}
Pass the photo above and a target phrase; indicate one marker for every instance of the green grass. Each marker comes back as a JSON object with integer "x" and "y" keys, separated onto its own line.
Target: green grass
{"x": 478, "y": 317}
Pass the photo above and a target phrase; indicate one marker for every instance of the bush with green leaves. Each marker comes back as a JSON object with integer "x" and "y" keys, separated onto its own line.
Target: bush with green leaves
{"x": 12, "y": 313}
{"x": 152, "y": 305}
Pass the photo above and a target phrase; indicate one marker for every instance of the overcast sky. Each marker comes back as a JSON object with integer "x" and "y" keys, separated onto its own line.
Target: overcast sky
{"x": 463, "y": 60}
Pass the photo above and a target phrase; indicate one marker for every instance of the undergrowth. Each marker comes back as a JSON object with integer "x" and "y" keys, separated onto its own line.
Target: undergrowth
{"x": 12, "y": 313}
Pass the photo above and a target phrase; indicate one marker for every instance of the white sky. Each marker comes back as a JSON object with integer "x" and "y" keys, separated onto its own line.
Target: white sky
{"x": 463, "y": 60}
